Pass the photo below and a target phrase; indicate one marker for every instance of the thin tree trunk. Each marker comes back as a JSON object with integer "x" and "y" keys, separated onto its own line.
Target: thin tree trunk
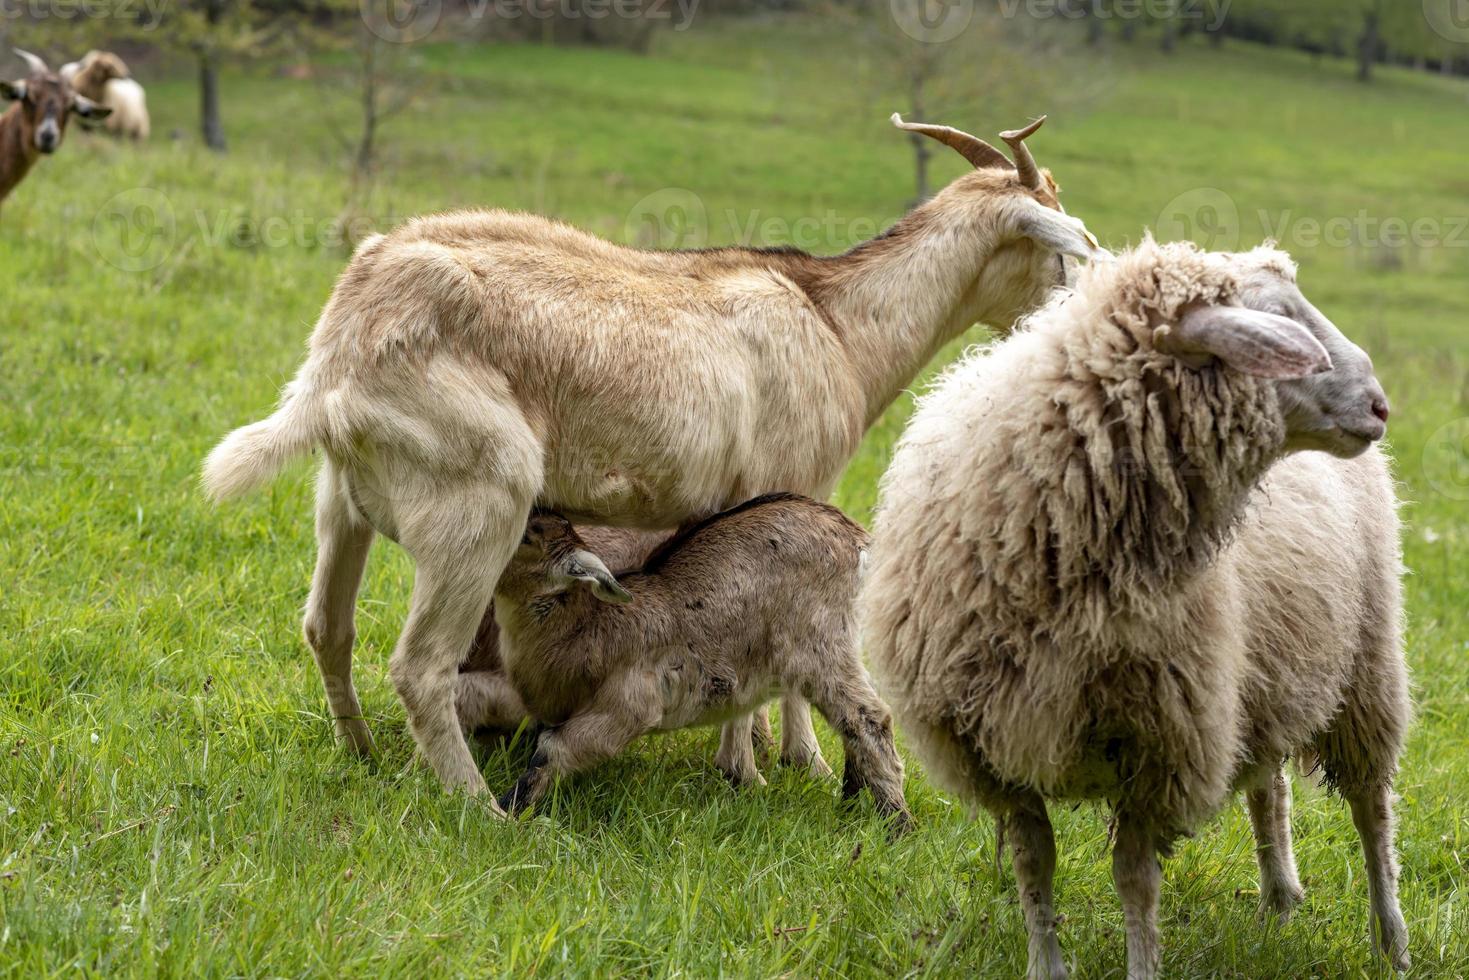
{"x": 1367, "y": 47}
{"x": 209, "y": 118}
{"x": 921, "y": 152}
{"x": 365, "y": 146}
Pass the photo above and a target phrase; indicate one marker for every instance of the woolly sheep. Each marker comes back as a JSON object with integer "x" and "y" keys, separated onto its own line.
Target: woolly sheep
{"x": 1105, "y": 566}
{"x": 104, "y": 78}
{"x": 757, "y": 601}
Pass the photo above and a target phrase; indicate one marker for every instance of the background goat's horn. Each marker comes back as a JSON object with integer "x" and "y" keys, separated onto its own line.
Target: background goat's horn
{"x": 972, "y": 148}
{"x": 36, "y": 65}
{"x": 1030, "y": 174}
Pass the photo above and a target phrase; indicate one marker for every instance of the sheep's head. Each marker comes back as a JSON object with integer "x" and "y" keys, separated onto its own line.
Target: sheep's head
{"x": 1330, "y": 398}
{"x": 552, "y": 558}
{"x": 105, "y": 65}
{"x": 46, "y": 103}
{"x": 1037, "y": 244}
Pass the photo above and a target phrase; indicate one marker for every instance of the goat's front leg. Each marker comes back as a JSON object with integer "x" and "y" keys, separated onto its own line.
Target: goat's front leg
{"x": 1280, "y": 886}
{"x": 620, "y": 713}
{"x": 1138, "y": 875}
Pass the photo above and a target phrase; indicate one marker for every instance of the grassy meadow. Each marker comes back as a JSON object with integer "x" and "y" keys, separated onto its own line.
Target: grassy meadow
{"x": 171, "y": 801}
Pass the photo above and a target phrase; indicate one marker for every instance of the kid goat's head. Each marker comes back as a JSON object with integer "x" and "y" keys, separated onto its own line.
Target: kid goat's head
{"x": 552, "y": 558}
{"x": 1036, "y": 243}
{"x": 46, "y": 102}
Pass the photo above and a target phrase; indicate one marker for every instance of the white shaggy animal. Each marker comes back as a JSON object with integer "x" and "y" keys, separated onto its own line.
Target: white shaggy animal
{"x": 103, "y": 77}
{"x": 1105, "y": 566}
{"x": 469, "y": 366}
{"x": 754, "y": 602}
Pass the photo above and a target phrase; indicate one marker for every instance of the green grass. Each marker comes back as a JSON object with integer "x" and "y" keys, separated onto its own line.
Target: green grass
{"x": 170, "y": 798}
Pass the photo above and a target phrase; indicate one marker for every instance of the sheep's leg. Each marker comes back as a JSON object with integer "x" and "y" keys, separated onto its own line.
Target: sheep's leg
{"x": 798, "y": 746}
{"x": 619, "y": 714}
{"x": 1280, "y": 886}
{"x": 1033, "y": 851}
{"x": 487, "y": 699}
{"x": 1138, "y": 875}
{"x": 1372, "y": 812}
{"x": 736, "y": 755}
{"x": 343, "y": 540}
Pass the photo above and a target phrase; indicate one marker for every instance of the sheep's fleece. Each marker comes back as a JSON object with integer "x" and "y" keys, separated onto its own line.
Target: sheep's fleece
{"x": 1094, "y": 575}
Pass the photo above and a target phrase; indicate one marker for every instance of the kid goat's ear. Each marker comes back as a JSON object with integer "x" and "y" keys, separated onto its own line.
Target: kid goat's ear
{"x": 1058, "y": 231}
{"x": 1260, "y": 344}
{"x": 587, "y": 567}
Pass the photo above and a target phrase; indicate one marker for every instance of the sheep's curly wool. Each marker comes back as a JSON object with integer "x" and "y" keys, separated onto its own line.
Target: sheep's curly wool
{"x": 1095, "y": 576}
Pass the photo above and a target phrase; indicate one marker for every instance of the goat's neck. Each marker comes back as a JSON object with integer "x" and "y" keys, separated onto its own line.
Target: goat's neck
{"x": 17, "y": 151}
{"x": 899, "y": 298}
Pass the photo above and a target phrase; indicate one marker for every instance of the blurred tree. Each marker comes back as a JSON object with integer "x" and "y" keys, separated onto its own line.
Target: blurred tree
{"x": 210, "y": 31}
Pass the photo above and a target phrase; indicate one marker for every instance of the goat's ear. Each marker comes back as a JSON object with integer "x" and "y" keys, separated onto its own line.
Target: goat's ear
{"x": 587, "y": 567}
{"x": 13, "y": 91}
{"x": 1260, "y": 344}
{"x": 88, "y": 109}
{"x": 1058, "y": 231}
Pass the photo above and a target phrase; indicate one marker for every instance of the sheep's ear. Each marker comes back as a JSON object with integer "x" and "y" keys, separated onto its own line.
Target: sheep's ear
{"x": 13, "y": 91}
{"x": 88, "y": 109}
{"x": 1251, "y": 342}
{"x": 587, "y": 567}
{"x": 1058, "y": 231}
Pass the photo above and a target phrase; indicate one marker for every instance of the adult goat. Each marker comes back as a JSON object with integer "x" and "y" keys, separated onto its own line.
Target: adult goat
{"x": 37, "y": 121}
{"x": 473, "y": 364}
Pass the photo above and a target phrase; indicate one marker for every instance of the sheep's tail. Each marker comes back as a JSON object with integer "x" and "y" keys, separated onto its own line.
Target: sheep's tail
{"x": 252, "y": 455}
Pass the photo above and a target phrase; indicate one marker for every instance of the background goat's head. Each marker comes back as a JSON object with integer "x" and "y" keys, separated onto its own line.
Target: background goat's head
{"x": 552, "y": 558}
{"x": 1036, "y": 242}
{"x": 46, "y": 103}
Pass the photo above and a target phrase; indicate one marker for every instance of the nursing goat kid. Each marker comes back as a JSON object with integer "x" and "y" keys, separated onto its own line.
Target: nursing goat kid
{"x": 1145, "y": 551}
{"x": 471, "y": 365}
{"x": 755, "y": 602}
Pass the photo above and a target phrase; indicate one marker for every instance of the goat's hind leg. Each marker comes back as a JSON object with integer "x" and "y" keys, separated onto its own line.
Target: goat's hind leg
{"x": 343, "y": 539}
{"x": 847, "y": 699}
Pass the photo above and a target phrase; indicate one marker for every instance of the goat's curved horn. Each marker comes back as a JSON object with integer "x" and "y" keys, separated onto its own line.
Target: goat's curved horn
{"x": 36, "y": 65}
{"x": 972, "y": 148}
{"x": 1030, "y": 174}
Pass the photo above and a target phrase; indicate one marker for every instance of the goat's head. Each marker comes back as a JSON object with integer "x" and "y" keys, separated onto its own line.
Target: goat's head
{"x": 1036, "y": 242}
{"x": 46, "y": 103}
{"x": 1329, "y": 396}
{"x": 552, "y": 558}
{"x": 104, "y": 65}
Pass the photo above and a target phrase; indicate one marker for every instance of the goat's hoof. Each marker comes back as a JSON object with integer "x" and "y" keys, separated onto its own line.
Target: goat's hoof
{"x": 815, "y": 765}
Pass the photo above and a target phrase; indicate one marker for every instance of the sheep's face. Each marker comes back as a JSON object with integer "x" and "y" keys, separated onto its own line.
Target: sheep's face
{"x": 1341, "y": 410}
{"x": 46, "y": 103}
{"x": 552, "y": 559}
{"x": 1328, "y": 395}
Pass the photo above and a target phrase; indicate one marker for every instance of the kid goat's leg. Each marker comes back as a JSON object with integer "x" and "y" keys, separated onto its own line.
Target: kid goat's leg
{"x": 624, "y": 709}
{"x": 1280, "y": 886}
{"x": 847, "y": 699}
{"x": 342, "y": 540}
{"x": 798, "y": 745}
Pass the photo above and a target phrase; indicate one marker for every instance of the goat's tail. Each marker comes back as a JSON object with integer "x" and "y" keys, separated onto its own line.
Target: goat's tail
{"x": 252, "y": 455}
